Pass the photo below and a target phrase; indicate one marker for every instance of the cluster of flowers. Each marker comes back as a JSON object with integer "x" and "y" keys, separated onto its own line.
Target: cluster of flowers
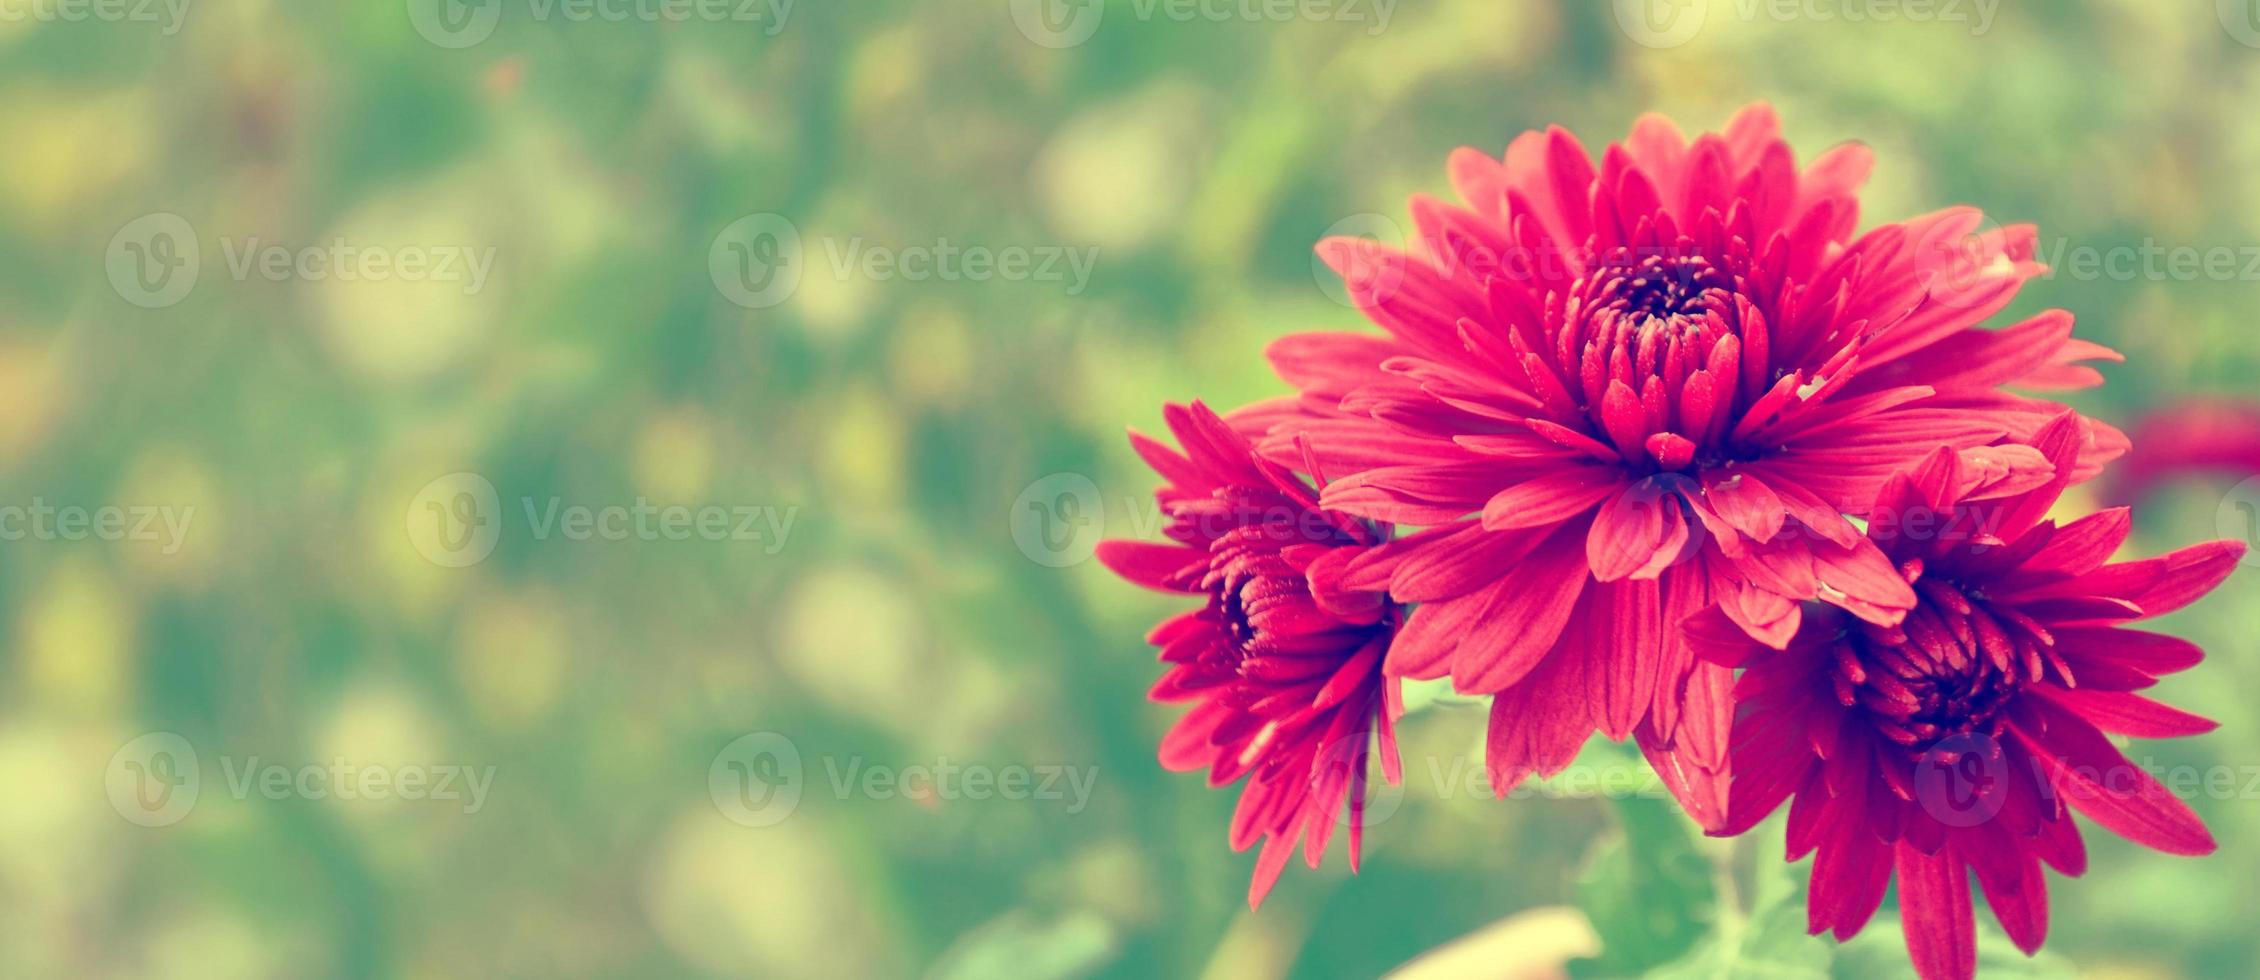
{"x": 1628, "y": 412}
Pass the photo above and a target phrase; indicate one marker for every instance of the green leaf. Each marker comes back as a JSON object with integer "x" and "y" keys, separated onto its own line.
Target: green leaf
{"x": 1880, "y": 953}
{"x": 1771, "y": 944}
{"x": 1647, "y": 889}
{"x": 1022, "y": 944}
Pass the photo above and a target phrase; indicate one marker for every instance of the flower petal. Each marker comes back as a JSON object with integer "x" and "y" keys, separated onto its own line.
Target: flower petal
{"x": 1934, "y": 907}
{"x": 1537, "y": 725}
{"x": 2087, "y": 772}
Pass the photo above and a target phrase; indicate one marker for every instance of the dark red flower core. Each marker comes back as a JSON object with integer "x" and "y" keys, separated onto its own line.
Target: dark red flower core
{"x": 1263, "y": 601}
{"x": 1949, "y": 669}
{"x": 1671, "y": 288}
{"x": 1655, "y": 337}
{"x": 1245, "y": 583}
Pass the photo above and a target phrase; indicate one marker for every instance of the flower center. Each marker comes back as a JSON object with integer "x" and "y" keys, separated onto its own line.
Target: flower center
{"x": 1654, "y": 337}
{"x": 1245, "y": 589}
{"x": 1260, "y": 598}
{"x": 1658, "y": 287}
{"x": 1948, "y": 669}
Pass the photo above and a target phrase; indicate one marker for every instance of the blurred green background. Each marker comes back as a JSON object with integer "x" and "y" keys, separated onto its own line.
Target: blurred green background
{"x": 944, "y": 445}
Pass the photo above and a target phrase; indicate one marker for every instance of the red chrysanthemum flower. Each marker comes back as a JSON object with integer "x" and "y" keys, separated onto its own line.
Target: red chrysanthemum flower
{"x": 2195, "y": 438}
{"x": 1616, "y": 394}
{"x": 1957, "y": 738}
{"x": 1286, "y": 683}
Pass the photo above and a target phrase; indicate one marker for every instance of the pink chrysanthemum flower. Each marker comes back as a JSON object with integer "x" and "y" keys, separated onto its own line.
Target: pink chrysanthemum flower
{"x": 1286, "y": 685}
{"x": 2200, "y": 437}
{"x": 1616, "y": 394}
{"x": 1958, "y": 738}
